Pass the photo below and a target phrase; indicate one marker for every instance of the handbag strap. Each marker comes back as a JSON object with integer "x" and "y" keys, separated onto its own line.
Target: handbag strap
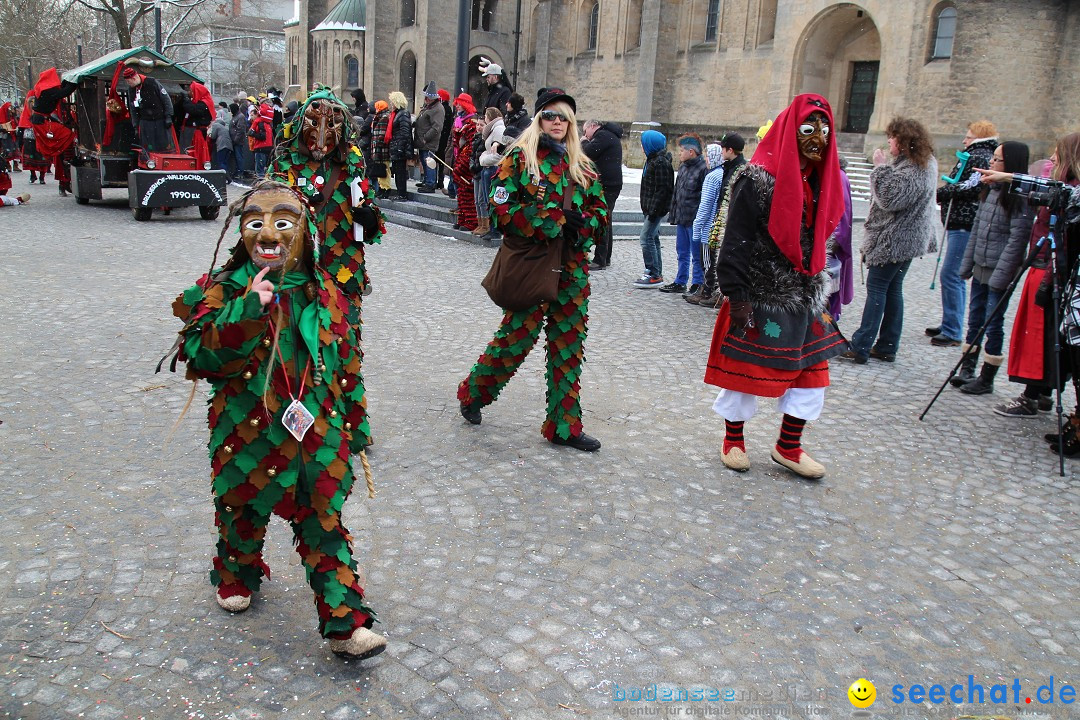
{"x": 568, "y": 197}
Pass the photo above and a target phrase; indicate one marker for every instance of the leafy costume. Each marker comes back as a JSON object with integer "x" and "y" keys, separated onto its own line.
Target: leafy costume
{"x": 257, "y": 467}
{"x": 521, "y": 205}
{"x": 327, "y": 184}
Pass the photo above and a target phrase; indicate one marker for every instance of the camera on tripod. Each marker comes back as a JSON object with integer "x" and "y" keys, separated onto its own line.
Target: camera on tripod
{"x": 1040, "y": 191}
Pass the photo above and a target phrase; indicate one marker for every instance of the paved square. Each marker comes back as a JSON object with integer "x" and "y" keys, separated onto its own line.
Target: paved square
{"x": 514, "y": 579}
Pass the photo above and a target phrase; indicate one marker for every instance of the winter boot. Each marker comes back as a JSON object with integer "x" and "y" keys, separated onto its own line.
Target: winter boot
{"x": 967, "y": 367}
{"x": 984, "y": 384}
{"x": 483, "y": 224}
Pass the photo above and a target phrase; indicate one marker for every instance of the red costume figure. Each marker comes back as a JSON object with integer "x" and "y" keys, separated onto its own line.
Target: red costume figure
{"x": 26, "y": 133}
{"x": 55, "y": 136}
{"x": 461, "y": 140}
{"x": 773, "y": 337}
{"x": 199, "y": 113}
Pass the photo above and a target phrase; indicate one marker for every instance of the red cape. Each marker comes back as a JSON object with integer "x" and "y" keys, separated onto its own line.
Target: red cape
{"x": 52, "y": 138}
{"x": 112, "y": 118}
{"x": 778, "y": 153}
{"x": 199, "y": 93}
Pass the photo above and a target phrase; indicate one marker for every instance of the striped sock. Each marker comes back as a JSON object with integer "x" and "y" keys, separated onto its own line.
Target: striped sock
{"x": 733, "y": 436}
{"x": 789, "y": 443}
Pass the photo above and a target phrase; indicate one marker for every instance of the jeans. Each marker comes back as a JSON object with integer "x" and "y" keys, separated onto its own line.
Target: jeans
{"x": 223, "y": 157}
{"x": 262, "y": 158}
{"x": 884, "y": 310}
{"x": 688, "y": 253}
{"x": 242, "y": 156}
{"x": 482, "y": 186}
{"x": 983, "y": 300}
{"x": 429, "y": 172}
{"x": 650, "y": 246}
{"x": 953, "y": 290}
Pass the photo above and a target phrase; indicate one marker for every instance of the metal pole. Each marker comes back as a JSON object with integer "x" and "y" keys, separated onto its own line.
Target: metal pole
{"x": 29, "y": 77}
{"x": 461, "y": 71}
{"x": 78, "y": 48}
{"x": 517, "y": 43}
{"x": 157, "y": 27}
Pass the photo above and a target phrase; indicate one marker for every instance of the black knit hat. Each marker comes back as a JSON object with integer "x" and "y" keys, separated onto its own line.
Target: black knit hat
{"x": 548, "y": 95}
{"x": 733, "y": 141}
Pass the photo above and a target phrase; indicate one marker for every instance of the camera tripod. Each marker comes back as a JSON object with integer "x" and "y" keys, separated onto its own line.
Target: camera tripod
{"x": 1057, "y": 222}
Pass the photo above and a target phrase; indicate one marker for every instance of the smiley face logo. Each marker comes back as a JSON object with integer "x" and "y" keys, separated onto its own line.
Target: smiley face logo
{"x": 862, "y": 693}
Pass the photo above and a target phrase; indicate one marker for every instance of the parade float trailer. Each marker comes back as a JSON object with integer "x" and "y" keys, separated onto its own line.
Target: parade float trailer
{"x": 153, "y": 179}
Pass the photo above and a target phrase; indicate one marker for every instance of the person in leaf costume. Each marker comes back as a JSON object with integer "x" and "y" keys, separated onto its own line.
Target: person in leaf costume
{"x": 527, "y": 193}
{"x": 773, "y": 337}
{"x": 319, "y": 154}
{"x": 270, "y": 331}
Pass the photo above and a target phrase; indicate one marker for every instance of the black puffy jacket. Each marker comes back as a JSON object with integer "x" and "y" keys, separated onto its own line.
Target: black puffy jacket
{"x": 605, "y": 149}
{"x": 401, "y": 140}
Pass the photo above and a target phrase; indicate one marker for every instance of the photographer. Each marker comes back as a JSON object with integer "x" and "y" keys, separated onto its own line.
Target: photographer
{"x": 1031, "y": 346}
{"x": 995, "y": 250}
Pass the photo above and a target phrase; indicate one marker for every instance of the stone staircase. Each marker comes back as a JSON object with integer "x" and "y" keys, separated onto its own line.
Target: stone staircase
{"x": 431, "y": 212}
{"x": 858, "y": 172}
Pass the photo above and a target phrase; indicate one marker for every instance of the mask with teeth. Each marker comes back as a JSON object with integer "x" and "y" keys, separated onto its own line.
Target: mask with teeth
{"x": 322, "y": 129}
{"x": 272, "y": 227}
{"x": 813, "y": 134}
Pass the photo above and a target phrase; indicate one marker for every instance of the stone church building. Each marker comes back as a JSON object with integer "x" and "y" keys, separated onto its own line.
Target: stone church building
{"x": 714, "y": 65}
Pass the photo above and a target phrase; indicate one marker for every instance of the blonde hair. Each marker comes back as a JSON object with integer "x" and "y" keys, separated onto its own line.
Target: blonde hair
{"x": 582, "y": 170}
{"x": 397, "y": 99}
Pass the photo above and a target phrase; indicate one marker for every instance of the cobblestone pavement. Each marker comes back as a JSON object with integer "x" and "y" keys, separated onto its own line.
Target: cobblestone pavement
{"x": 514, "y": 579}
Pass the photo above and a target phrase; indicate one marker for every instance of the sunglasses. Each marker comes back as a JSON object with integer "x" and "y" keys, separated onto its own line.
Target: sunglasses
{"x": 553, "y": 115}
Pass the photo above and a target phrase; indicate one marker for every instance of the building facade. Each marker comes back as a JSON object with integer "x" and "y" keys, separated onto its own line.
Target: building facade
{"x": 714, "y": 65}
{"x": 241, "y": 47}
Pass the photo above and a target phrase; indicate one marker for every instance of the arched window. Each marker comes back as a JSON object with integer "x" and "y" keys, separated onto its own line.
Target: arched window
{"x": 407, "y": 75}
{"x": 712, "y": 21}
{"x": 594, "y": 25}
{"x": 944, "y": 32}
{"x": 408, "y": 13}
{"x": 352, "y": 72}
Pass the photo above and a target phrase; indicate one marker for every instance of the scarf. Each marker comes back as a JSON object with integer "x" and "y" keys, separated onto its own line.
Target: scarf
{"x": 389, "y": 128}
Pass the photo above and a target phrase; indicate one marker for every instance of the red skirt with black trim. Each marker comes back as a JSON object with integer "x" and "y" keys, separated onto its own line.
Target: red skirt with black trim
{"x": 762, "y": 361}
{"x": 1028, "y": 343}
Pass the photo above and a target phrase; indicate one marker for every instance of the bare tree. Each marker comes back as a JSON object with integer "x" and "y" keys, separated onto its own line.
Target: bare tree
{"x": 124, "y": 14}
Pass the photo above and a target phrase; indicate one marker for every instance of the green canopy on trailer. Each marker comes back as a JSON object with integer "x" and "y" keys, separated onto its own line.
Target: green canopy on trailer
{"x": 146, "y": 60}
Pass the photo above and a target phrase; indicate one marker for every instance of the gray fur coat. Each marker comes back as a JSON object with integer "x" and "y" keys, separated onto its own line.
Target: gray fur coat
{"x": 900, "y": 224}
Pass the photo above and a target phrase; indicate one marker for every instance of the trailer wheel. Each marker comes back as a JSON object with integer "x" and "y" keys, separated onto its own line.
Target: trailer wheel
{"x": 209, "y": 212}
{"x": 81, "y": 200}
{"x": 142, "y": 214}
